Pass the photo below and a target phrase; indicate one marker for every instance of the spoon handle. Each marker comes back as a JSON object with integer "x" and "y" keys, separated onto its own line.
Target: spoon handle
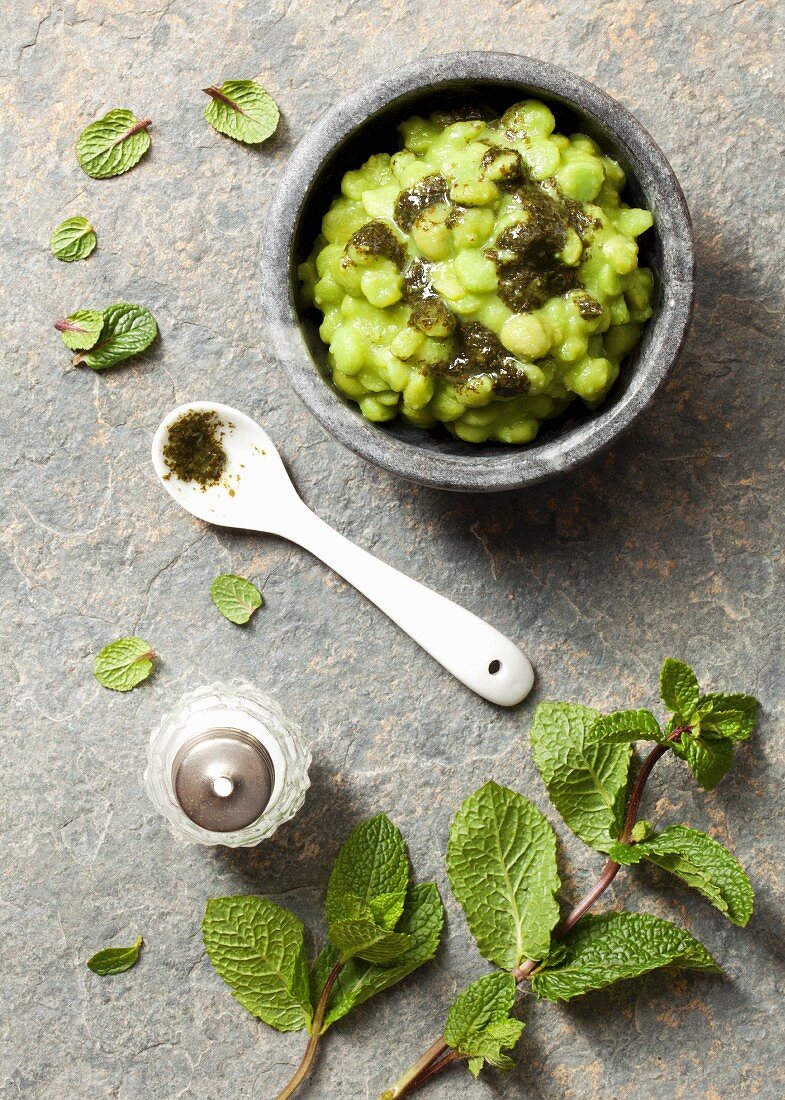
{"x": 472, "y": 650}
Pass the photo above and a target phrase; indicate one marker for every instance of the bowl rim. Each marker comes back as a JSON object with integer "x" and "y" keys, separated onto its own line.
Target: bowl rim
{"x": 519, "y": 466}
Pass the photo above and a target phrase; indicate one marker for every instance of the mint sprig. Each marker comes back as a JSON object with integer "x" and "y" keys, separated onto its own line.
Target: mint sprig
{"x": 113, "y": 144}
{"x": 126, "y": 330}
{"x": 73, "y": 239}
{"x": 479, "y": 1026}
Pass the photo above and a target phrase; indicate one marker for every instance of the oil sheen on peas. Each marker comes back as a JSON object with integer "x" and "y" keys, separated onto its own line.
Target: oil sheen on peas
{"x": 483, "y": 277}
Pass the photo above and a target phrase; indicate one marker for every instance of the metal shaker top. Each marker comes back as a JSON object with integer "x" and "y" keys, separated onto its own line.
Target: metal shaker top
{"x": 223, "y": 779}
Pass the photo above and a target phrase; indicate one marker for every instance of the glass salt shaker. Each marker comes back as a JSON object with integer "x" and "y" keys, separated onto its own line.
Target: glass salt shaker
{"x": 226, "y": 766}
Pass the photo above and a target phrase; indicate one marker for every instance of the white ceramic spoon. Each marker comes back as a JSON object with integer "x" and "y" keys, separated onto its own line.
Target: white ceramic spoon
{"x": 256, "y": 494}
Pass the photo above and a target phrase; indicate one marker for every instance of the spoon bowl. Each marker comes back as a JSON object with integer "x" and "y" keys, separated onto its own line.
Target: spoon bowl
{"x": 255, "y": 493}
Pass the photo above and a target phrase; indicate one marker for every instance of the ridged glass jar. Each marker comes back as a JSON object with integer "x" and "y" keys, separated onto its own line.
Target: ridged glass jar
{"x": 235, "y": 707}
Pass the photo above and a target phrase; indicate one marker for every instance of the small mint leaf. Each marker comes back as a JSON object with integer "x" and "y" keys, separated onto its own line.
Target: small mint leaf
{"x": 114, "y": 960}
{"x": 80, "y": 331}
{"x": 701, "y": 862}
{"x": 372, "y": 863}
{"x": 235, "y": 597}
{"x": 259, "y": 950}
{"x": 708, "y": 760}
{"x": 361, "y": 937}
{"x": 729, "y": 717}
{"x": 640, "y": 830}
{"x": 127, "y": 330}
{"x": 586, "y": 779}
{"x": 242, "y": 110}
{"x": 679, "y": 688}
{"x": 123, "y": 664}
{"x": 615, "y": 946}
{"x": 421, "y": 921}
{"x": 112, "y": 144}
{"x": 626, "y": 726}
{"x": 479, "y": 1025}
{"x": 501, "y": 863}
{"x": 74, "y": 239}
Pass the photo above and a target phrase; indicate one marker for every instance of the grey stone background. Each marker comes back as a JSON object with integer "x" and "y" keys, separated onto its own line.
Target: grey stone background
{"x": 670, "y": 544}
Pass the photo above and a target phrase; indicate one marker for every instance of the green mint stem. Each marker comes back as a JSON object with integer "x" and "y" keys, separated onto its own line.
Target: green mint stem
{"x": 309, "y": 1054}
{"x": 439, "y": 1056}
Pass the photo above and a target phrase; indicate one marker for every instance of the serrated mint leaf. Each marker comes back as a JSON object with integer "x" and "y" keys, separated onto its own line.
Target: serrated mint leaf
{"x": 114, "y": 960}
{"x": 729, "y": 717}
{"x": 387, "y": 909}
{"x": 372, "y": 863}
{"x": 587, "y": 780}
{"x": 422, "y": 920}
{"x": 708, "y": 760}
{"x": 112, "y": 144}
{"x": 127, "y": 330}
{"x": 361, "y": 937}
{"x": 640, "y": 830}
{"x": 123, "y": 664}
{"x": 679, "y": 688}
{"x": 701, "y": 862}
{"x": 243, "y": 110}
{"x": 74, "y": 239}
{"x": 258, "y": 949}
{"x": 479, "y": 1025}
{"x": 501, "y": 863}
{"x": 609, "y": 948}
{"x": 235, "y": 597}
{"x": 81, "y": 330}
{"x": 627, "y": 726}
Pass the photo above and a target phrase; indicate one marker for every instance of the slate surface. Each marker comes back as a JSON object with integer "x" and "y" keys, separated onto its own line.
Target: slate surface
{"x": 672, "y": 543}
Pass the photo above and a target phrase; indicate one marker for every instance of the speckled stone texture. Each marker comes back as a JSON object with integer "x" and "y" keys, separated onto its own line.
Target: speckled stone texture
{"x": 671, "y": 543}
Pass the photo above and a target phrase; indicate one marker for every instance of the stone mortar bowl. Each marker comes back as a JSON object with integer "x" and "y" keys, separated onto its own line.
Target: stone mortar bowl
{"x": 365, "y": 123}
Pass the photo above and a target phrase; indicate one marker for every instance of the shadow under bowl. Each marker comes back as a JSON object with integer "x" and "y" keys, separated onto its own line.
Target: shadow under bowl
{"x": 366, "y": 123}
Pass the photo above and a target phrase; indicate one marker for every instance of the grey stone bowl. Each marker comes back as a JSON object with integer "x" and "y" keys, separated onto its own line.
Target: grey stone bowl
{"x": 365, "y": 123}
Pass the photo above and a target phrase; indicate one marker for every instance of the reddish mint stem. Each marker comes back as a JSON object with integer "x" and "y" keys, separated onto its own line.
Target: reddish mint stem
{"x": 309, "y": 1054}
{"x": 216, "y": 93}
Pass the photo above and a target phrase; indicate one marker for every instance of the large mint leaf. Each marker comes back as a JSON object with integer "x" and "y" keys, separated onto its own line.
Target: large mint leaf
{"x": 727, "y": 717}
{"x": 372, "y": 864}
{"x": 606, "y": 949}
{"x": 243, "y": 110}
{"x": 708, "y": 760}
{"x": 501, "y": 862}
{"x": 479, "y": 1025}
{"x": 127, "y": 330}
{"x": 679, "y": 688}
{"x": 701, "y": 862}
{"x": 112, "y": 144}
{"x": 421, "y": 921}
{"x": 587, "y": 780}
{"x": 626, "y": 726}
{"x": 80, "y": 330}
{"x": 258, "y": 949}
{"x": 74, "y": 239}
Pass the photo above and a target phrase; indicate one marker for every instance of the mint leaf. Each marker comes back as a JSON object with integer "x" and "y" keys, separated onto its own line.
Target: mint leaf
{"x": 235, "y": 597}
{"x": 243, "y": 110}
{"x": 361, "y": 937}
{"x": 421, "y": 921}
{"x": 478, "y": 1024}
{"x": 112, "y": 144}
{"x": 127, "y": 330}
{"x": 74, "y": 239}
{"x": 501, "y": 863}
{"x": 387, "y": 909}
{"x": 727, "y": 717}
{"x": 701, "y": 862}
{"x": 123, "y": 664}
{"x": 114, "y": 960}
{"x": 627, "y": 726}
{"x": 80, "y": 330}
{"x": 679, "y": 688}
{"x": 586, "y": 779}
{"x": 258, "y": 949}
{"x": 609, "y": 948}
{"x": 372, "y": 864}
{"x": 708, "y": 760}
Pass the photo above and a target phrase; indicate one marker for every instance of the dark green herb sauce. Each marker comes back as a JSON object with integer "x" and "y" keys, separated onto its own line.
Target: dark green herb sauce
{"x": 377, "y": 239}
{"x": 480, "y": 353}
{"x": 411, "y": 202}
{"x": 193, "y": 450}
